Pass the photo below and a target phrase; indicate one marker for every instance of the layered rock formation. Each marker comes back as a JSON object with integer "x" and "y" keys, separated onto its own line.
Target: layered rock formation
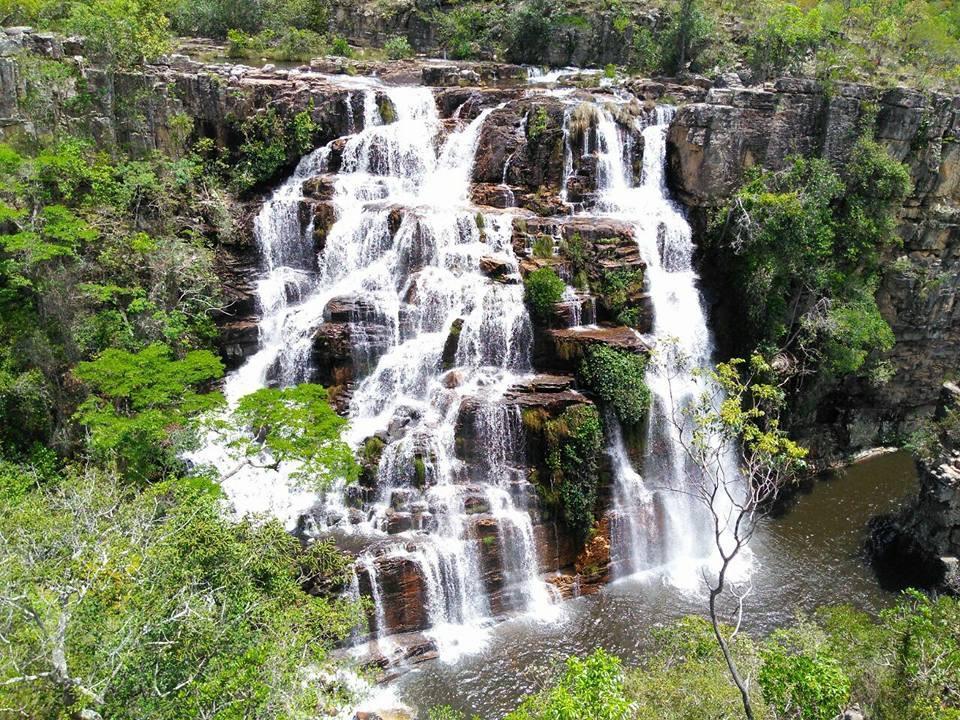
{"x": 539, "y": 156}
{"x": 920, "y": 545}
{"x": 714, "y": 142}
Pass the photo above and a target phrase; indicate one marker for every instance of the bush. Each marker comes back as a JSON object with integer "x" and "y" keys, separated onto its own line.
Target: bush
{"x": 589, "y": 689}
{"x": 121, "y": 32}
{"x": 468, "y": 31}
{"x": 530, "y": 29}
{"x": 296, "y": 44}
{"x": 398, "y": 48}
{"x": 574, "y": 442}
{"x": 786, "y": 37}
{"x": 801, "y": 683}
{"x": 617, "y": 378}
{"x": 616, "y": 289}
{"x": 543, "y": 289}
{"x": 341, "y": 47}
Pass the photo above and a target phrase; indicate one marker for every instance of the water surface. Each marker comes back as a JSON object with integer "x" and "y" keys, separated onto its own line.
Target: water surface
{"x": 809, "y": 557}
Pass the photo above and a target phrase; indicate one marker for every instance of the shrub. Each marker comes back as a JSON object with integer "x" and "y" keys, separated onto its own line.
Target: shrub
{"x": 574, "y": 442}
{"x": 530, "y": 29}
{"x": 341, "y": 47}
{"x": 296, "y": 44}
{"x": 802, "y": 683}
{"x": 616, "y": 288}
{"x": 398, "y": 48}
{"x": 591, "y": 688}
{"x": 617, "y": 378}
{"x": 543, "y": 289}
{"x": 122, "y": 32}
{"x": 785, "y": 38}
{"x": 468, "y": 31}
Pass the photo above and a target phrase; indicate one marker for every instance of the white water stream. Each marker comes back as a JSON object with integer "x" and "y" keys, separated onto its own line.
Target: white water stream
{"x": 659, "y": 524}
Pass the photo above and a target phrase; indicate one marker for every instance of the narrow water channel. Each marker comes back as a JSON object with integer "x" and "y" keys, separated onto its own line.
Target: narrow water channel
{"x": 809, "y": 557}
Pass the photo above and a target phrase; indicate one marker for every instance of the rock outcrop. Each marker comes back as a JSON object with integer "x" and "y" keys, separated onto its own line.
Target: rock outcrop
{"x": 919, "y": 546}
{"x": 713, "y": 143}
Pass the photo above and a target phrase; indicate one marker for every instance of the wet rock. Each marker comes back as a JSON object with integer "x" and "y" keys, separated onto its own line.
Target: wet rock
{"x": 495, "y": 267}
{"x": 524, "y": 153}
{"x": 402, "y": 591}
{"x": 562, "y": 350}
{"x": 449, "y": 356}
{"x": 498, "y": 196}
{"x": 238, "y": 341}
{"x": 320, "y": 188}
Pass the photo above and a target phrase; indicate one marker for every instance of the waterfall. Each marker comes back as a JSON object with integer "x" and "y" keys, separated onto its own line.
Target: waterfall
{"x": 403, "y": 256}
{"x": 658, "y": 524}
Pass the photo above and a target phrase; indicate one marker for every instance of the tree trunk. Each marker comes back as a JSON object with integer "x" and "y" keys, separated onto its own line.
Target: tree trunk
{"x": 725, "y": 648}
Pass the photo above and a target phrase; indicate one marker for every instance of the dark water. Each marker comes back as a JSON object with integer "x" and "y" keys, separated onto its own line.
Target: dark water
{"x": 809, "y": 557}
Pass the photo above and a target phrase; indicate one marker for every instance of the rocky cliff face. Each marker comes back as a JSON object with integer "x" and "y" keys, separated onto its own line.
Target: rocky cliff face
{"x": 920, "y": 545}
{"x": 714, "y": 142}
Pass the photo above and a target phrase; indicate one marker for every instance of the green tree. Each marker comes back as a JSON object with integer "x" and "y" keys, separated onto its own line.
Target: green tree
{"x": 739, "y": 459}
{"x": 787, "y": 35}
{"x": 295, "y": 424}
{"x": 122, "y": 32}
{"x": 149, "y": 606}
{"x": 140, "y": 401}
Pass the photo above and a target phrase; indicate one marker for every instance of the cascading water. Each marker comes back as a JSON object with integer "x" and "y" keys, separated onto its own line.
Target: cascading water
{"x": 658, "y": 524}
{"x": 403, "y": 255}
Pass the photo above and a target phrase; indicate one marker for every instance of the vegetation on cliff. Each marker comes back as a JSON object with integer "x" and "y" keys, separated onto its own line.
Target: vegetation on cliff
{"x": 807, "y": 244}
{"x": 124, "y": 591}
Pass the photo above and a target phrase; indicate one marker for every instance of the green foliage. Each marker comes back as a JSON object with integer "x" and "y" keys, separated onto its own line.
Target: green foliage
{"x": 216, "y": 18}
{"x": 787, "y": 35}
{"x": 646, "y": 53}
{"x": 529, "y": 30}
{"x": 469, "y": 30}
{"x": 543, "y": 288}
{"x": 808, "y": 243}
{"x": 537, "y": 125}
{"x": 398, "y": 48}
{"x": 95, "y": 254}
{"x": 806, "y": 683}
{"x": 542, "y": 246}
{"x": 340, "y": 46}
{"x": 616, "y": 290}
{"x": 296, "y": 44}
{"x": 574, "y": 442}
{"x": 166, "y": 609}
{"x": 271, "y": 142}
{"x": 683, "y": 675}
{"x": 617, "y": 378}
{"x": 900, "y": 666}
{"x": 296, "y": 424}
{"x": 122, "y": 32}
{"x": 139, "y": 400}
{"x": 591, "y": 688}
